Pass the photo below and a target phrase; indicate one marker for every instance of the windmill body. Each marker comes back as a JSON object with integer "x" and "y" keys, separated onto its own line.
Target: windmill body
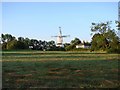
{"x": 60, "y": 38}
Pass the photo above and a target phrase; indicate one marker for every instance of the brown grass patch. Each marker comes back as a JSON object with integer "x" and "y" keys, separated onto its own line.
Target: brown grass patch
{"x": 78, "y": 74}
{"x": 108, "y": 83}
{"x": 54, "y": 73}
{"x": 77, "y": 71}
{"x": 20, "y": 76}
{"x": 115, "y": 70}
{"x": 54, "y": 77}
{"x": 54, "y": 69}
{"x": 58, "y": 71}
{"x": 21, "y": 80}
{"x": 11, "y": 74}
{"x": 34, "y": 72}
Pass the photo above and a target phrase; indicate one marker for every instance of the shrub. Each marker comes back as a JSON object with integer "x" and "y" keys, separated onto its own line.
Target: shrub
{"x": 113, "y": 50}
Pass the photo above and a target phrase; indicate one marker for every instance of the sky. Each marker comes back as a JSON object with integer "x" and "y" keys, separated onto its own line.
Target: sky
{"x": 41, "y": 20}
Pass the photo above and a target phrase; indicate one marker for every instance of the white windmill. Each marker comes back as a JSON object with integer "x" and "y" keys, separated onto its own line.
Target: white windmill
{"x": 60, "y": 38}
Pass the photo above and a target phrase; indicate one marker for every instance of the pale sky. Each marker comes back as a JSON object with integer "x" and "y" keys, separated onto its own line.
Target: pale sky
{"x": 40, "y": 20}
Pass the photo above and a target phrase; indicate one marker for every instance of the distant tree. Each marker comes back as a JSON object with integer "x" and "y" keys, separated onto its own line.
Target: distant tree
{"x": 11, "y": 45}
{"x": 4, "y": 46}
{"x": 27, "y": 42}
{"x": 21, "y": 45}
{"x": 21, "y": 39}
{"x": 87, "y": 43}
{"x": 14, "y": 44}
{"x": 66, "y": 44}
{"x": 73, "y": 44}
{"x": 70, "y": 47}
{"x": 76, "y": 41}
{"x": 51, "y": 45}
{"x": 34, "y": 43}
{"x": 7, "y": 37}
{"x": 3, "y": 38}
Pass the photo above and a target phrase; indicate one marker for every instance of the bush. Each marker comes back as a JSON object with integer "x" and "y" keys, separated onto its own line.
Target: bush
{"x": 54, "y": 49}
{"x": 70, "y": 47}
{"x": 113, "y": 50}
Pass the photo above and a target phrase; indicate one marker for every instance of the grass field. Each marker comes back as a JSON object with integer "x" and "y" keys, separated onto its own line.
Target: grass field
{"x": 57, "y": 69}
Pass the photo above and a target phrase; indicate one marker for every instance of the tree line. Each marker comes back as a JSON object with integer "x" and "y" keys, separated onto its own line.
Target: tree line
{"x": 104, "y": 39}
{"x": 10, "y": 42}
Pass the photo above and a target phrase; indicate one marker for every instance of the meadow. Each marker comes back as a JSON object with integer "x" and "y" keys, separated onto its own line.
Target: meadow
{"x": 59, "y": 69}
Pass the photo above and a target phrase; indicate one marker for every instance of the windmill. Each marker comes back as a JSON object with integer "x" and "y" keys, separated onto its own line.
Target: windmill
{"x": 60, "y": 38}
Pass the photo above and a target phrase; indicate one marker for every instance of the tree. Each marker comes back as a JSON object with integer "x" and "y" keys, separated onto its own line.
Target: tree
{"x": 11, "y": 45}
{"x": 7, "y": 37}
{"x": 118, "y": 27}
{"x": 118, "y": 24}
{"x": 14, "y": 44}
{"x": 99, "y": 42}
{"x": 66, "y": 44}
{"x": 35, "y": 44}
{"x": 27, "y": 42}
{"x": 104, "y": 38}
{"x": 73, "y": 44}
{"x": 51, "y": 45}
{"x": 69, "y": 47}
{"x": 4, "y": 46}
{"x": 76, "y": 41}
{"x": 101, "y": 28}
{"x": 2, "y": 38}
{"x": 21, "y": 39}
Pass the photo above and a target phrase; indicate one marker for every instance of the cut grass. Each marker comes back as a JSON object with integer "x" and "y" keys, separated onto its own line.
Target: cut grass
{"x": 60, "y": 70}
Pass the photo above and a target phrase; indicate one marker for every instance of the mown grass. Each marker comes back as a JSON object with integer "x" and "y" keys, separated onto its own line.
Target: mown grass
{"x": 56, "y": 69}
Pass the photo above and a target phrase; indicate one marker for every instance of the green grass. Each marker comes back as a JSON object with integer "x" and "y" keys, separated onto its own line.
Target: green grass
{"x": 56, "y": 69}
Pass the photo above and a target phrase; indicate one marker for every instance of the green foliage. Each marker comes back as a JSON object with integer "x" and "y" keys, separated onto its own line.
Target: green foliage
{"x": 99, "y": 42}
{"x": 7, "y": 37}
{"x": 0, "y": 46}
{"x": 105, "y": 38}
{"x": 55, "y": 49}
{"x": 114, "y": 47}
{"x": 21, "y": 45}
{"x": 4, "y": 45}
{"x": 76, "y": 41}
{"x": 102, "y": 28}
{"x": 113, "y": 50}
{"x": 118, "y": 24}
{"x": 14, "y": 44}
{"x": 10, "y": 43}
{"x": 73, "y": 44}
{"x": 70, "y": 47}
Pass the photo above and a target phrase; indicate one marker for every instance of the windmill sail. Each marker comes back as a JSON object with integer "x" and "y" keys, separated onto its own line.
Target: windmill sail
{"x": 60, "y": 38}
